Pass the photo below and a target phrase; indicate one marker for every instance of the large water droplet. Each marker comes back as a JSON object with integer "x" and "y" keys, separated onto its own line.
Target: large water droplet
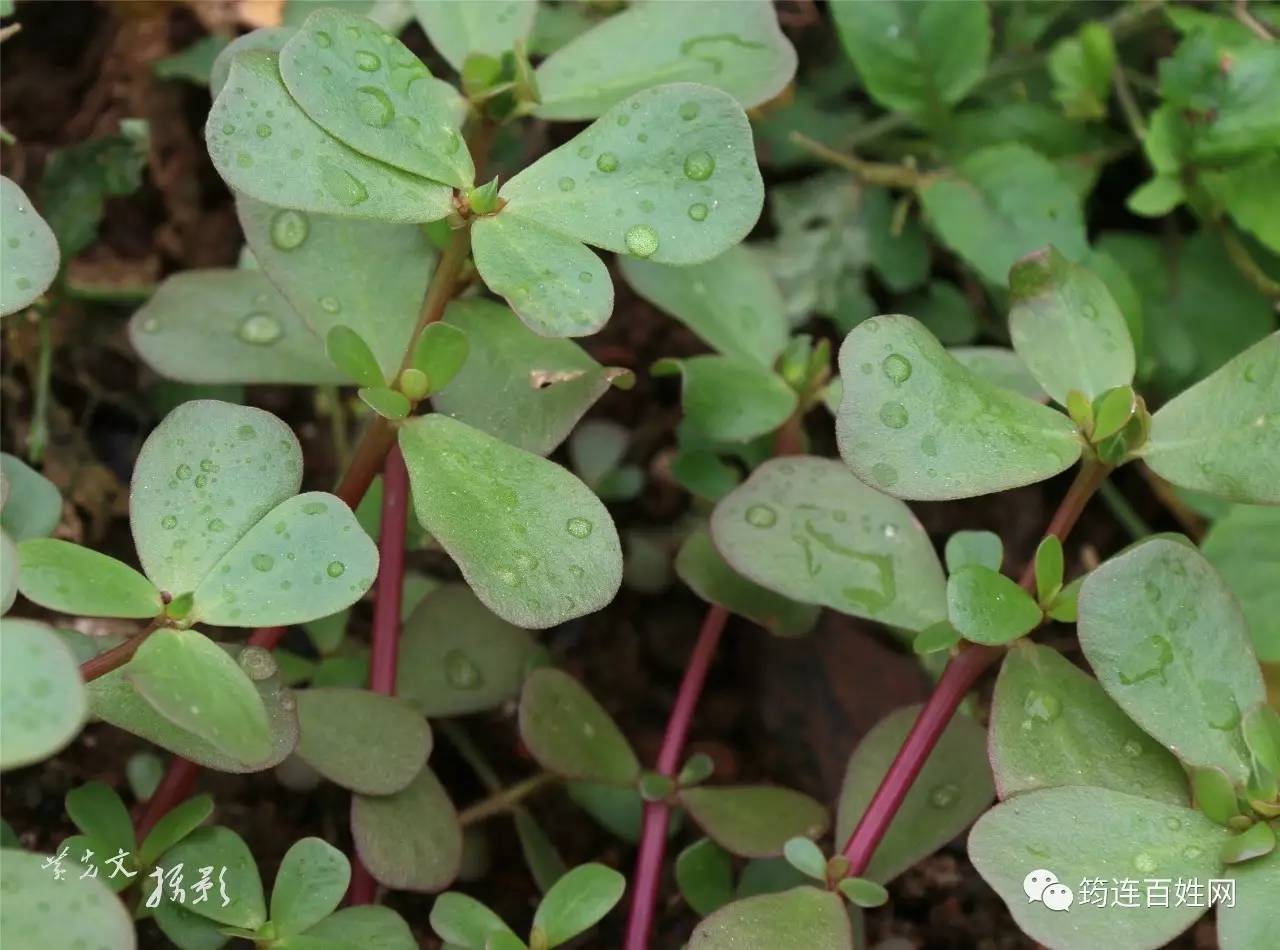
{"x": 289, "y": 229}
{"x": 897, "y": 367}
{"x": 884, "y": 473}
{"x": 182, "y": 472}
{"x": 257, "y": 663}
{"x": 894, "y": 415}
{"x": 1149, "y": 658}
{"x": 943, "y": 796}
{"x": 324, "y": 39}
{"x": 374, "y": 107}
{"x": 461, "y": 672}
{"x": 699, "y": 165}
{"x": 1219, "y": 705}
{"x": 335, "y": 569}
{"x": 344, "y": 186}
{"x": 367, "y": 62}
{"x": 330, "y": 304}
{"x": 263, "y": 562}
{"x": 217, "y": 524}
{"x": 567, "y": 183}
{"x": 689, "y": 111}
{"x": 761, "y": 516}
{"x": 698, "y": 211}
{"x": 260, "y": 329}
{"x": 314, "y": 508}
{"x": 642, "y": 240}
{"x": 607, "y": 162}
{"x": 579, "y": 527}
{"x": 168, "y": 522}
{"x": 264, "y": 130}
{"x": 1042, "y": 705}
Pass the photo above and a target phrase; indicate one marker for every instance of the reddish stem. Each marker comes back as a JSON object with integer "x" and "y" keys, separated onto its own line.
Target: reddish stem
{"x": 653, "y": 834}
{"x": 386, "y": 619}
{"x": 176, "y": 787}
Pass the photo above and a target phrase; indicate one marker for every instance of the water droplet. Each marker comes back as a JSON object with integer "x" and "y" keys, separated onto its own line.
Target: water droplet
{"x": 567, "y": 183}
{"x": 182, "y": 472}
{"x": 168, "y": 522}
{"x": 761, "y": 516}
{"x": 343, "y": 185}
{"x": 526, "y": 561}
{"x": 698, "y": 211}
{"x": 217, "y": 524}
{"x": 247, "y": 432}
{"x": 929, "y": 446}
{"x": 201, "y": 480}
{"x": 324, "y": 39}
{"x": 607, "y": 162}
{"x": 689, "y": 111}
{"x": 461, "y": 672}
{"x": 264, "y": 131}
{"x": 263, "y": 562}
{"x": 1219, "y": 705}
{"x": 1042, "y": 706}
{"x": 943, "y": 796}
{"x": 642, "y": 240}
{"x": 624, "y": 120}
{"x": 244, "y": 159}
{"x": 367, "y": 62}
{"x": 1131, "y": 748}
{"x": 1173, "y": 824}
{"x": 1149, "y": 658}
{"x": 228, "y": 128}
{"x": 330, "y": 304}
{"x": 289, "y": 229}
{"x": 261, "y": 329}
{"x": 699, "y": 165}
{"x": 585, "y": 276}
{"x": 884, "y": 473}
{"x": 314, "y": 508}
{"x": 374, "y": 107}
{"x": 1191, "y": 852}
{"x": 208, "y": 465}
{"x": 894, "y": 415}
{"x": 257, "y": 663}
{"x": 579, "y": 527}
{"x": 335, "y": 569}
{"x": 896, "y": 367}
{"x": 584, "y": 151}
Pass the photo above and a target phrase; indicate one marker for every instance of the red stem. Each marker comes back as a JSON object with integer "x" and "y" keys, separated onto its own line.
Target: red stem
{"x": 386, "y": 619}
{"x": 653, "y": 834}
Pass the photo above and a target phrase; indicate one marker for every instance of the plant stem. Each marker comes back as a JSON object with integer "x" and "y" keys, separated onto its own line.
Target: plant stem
{"x": 1189, "y": 520}
{"x": 956, "y": 681}
{"x": 38, "y": 438}
{"x": 871, "y": 173}
{"x": 504, "y": 800}
{"x": 1124, "y": 513}
{"x": 653, "y": 834}
{"x": 118, "y": 655}
{"x": 1128, "y": 104}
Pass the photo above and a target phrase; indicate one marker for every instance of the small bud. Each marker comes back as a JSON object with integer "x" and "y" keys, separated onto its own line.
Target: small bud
{"x": 483, "y": 199}
{"x": 414, "y": 384}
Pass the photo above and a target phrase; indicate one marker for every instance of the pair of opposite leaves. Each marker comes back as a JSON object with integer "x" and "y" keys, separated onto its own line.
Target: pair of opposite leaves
{"x": 345, "y": 120}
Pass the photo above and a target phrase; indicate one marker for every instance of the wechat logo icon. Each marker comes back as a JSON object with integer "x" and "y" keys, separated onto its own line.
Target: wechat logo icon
{"x": 1042, "y": 885}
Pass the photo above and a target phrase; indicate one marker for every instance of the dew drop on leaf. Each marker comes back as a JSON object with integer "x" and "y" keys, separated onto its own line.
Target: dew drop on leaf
{"x": 330, "y": 304}
{"x": 263, "y": 562}
{"x": 884, "y": 473}
{"x": 257, "y": 663}
{"x": 567, "y": 183}
{"x": 367, "y": 62}
{"x": 335, "y": 569}
{"x": 247, "y": 432}
{"x": 699, "y": 165}
{"x": 579, "y": 527}
{"x": 313, "y": 508}
{"x": 1173, "y": 824}
{"x": 168, "y": 522}
{"x": 461, "y": 672}
{"x": 1132, "y": 749}
{"x": 943, "y": 796}
{"x": 343, "y": 185}
{"x": 642, "y": 240}
{"x": 585, "y": 276}
{"x": 1145, "y": 863}
{"x": 1149, "y": 658}
{"x": 264, "y": 131}
{"x": 761, "y": 516}
{"x": 183, "y": 471}
{"x": 1042, "y": 706}
{"x": 217, "y": 524}
{"x": 897, "y": 367}
{"x": 698, "y": 211}
{"x": 607, "y": 162}
{"x": 894, "y": 415}
{"x": 374, "y": 107}
{"x": 1191, "y": 852}
{"x": 1219, "y": 704}
{"x": 689, "y": 111}
{"x": 261, "y": 329}
{"x": 324, "y": 39}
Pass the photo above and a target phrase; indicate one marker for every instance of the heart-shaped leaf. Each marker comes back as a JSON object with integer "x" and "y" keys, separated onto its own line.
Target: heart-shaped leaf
{"x": 1002, "y": 367}
{"x": 569, "y": 733}
{"x": 555, "y": 284}
{"x": 458, "y": 30}
{"x": 177, "y": 824}
{"x": 31, "y": 254}
{"x": 704, "y": 874}
{"x": 1052, "y": 724}
{"x": 1167, "y": 641}
{"x": 307, "y": 558}
{"x": 735, "y": 47}
{"x": 1222, "y": 436}
{"x": 1001, "y": 203}
{"x": 1090, "y": 838}
{"x": 577, "y": 902}
{"x": 754, "y": 821}
{"x": 42, "y": 699}
{"x": 1249, "y": 922}
{"x": 208, "y": 473}
{"x": 1244, "y": 547}
{"x": 952, "y": 789}
{"x": 364, "y": 87}
{"x": 914, "y": 422}
{"x": 809, "y": 530}
{"x": 802, "y": 918}
{"x": 371, "y": 927}
{"x": 667, "y": 174}
{"x": 464, "y": 922}
{"x": 309, "y": 886}
{"x": 192, "y": 682}
{"x": 30, "y": 503}
{"x": 219, "y": 848}
{"x": 64, "y": 576}
{"x": 43, "y": 912}
{"x": 517, "y": 386}
{"x": 227, "y": 326}
{"x": 534, "y": 543}
{"x": 731, "y": 302}
{"x": 289, "y": 160}
{"x": 270, "y": 38}
{"x": 411, "y": 840}
{"x": 97, "y": 810}
{"x": 456, "y": 657}
{"x": 364, "y": 741}
{"x": 987, "y": 607}
{"x": 700, "y": 566}
{"x": 378, "y": 290}
{"x": 1066, "y": 326}
{"x": 728, "y": 399}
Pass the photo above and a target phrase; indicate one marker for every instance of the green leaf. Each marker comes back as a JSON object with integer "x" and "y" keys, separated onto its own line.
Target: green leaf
{"x": 187, "y": 930}
{"x": 191, "y": 681}
{"x": 32, "y": 506}
{"x": 43, "y": 702}
{"x": 309, "y": 885}
{"x": 555, "y": 284}
{"x": 1168, "y": 642}
{"x": 863, "y": 893}
{"x": 31, "y": 263}
{"x": 1214, "y": 795}
{"x": 540, "y": 854}
{"x": 348, "y": 351}
{"x": 208, "y": 473}
{"x": 113, "y": 698}
{"x": 702, "y": 568}
{"x": 965, "y": 548}
{"x": 802, "y": 918}
{"x": 411, "y": 840}
{"x": 1067, "y": 328}
{"x": 1089, "y": 834}
{"x": 43, "y": 912}
{"x": 440, "y": 352}
{"x": 1222, "y": 436}
{"x": 227, "y": 326}
{"x": 307, "y": 558}
{"x": 806, "y": 528}
{"x": 370, "y": 927}
{"x": 578, "y": 901}
{"x": 1003, "y": 368}
{"x": 935, "y": 638}
{"x": 522, "y": 388}
{"x": 361, "y": 740}
{"x": 66, "y": 577}
{"x": 596, "y": 449}
{"x": 97, "y": 810}
{"x": 731, "y": 302}
{"x": 364, "y": 87}
{"x": 617, "y": 809}
{"x": 378, "y": 290}
{"x": 458, "y": 658}
{"x": 704, "y": 875}
{"x": 298, "y": 165}
{"x": 1001, "y": 203}
{"x": 913, "y": 421}
{"x": 270, "y": 38}
{"x": 1250, "y": 194}
{"x": 987, "y": 607}
{"x": 754, "y": 821}
{"x": 534, "y": 543}
{"x": 949, "y": 315}
{"x": 176, "y": 824}
{"x": 609, "y": 187}
{"x": 952, "y": 789}
{"x": 1080, "y": 67}
{"x": 1249, "y": 924}
{"x": 464, "y": 922}
{"x": 728, "y": 399}
{"x": 1111, "y": 412}
{"x": 193, "y": 63}
{"x": 734, "y": 47}
{"x": 386, "y": 402}
{"x": 219, "y": 848}
{"x": 1052, "y": 724}
{"x": 79, "y": 178}
{"x": 898, "y": 249}
{"x": 569, "y": 733}
{"x": 458, "y": 30}
{"x": 1261, "y": 728}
